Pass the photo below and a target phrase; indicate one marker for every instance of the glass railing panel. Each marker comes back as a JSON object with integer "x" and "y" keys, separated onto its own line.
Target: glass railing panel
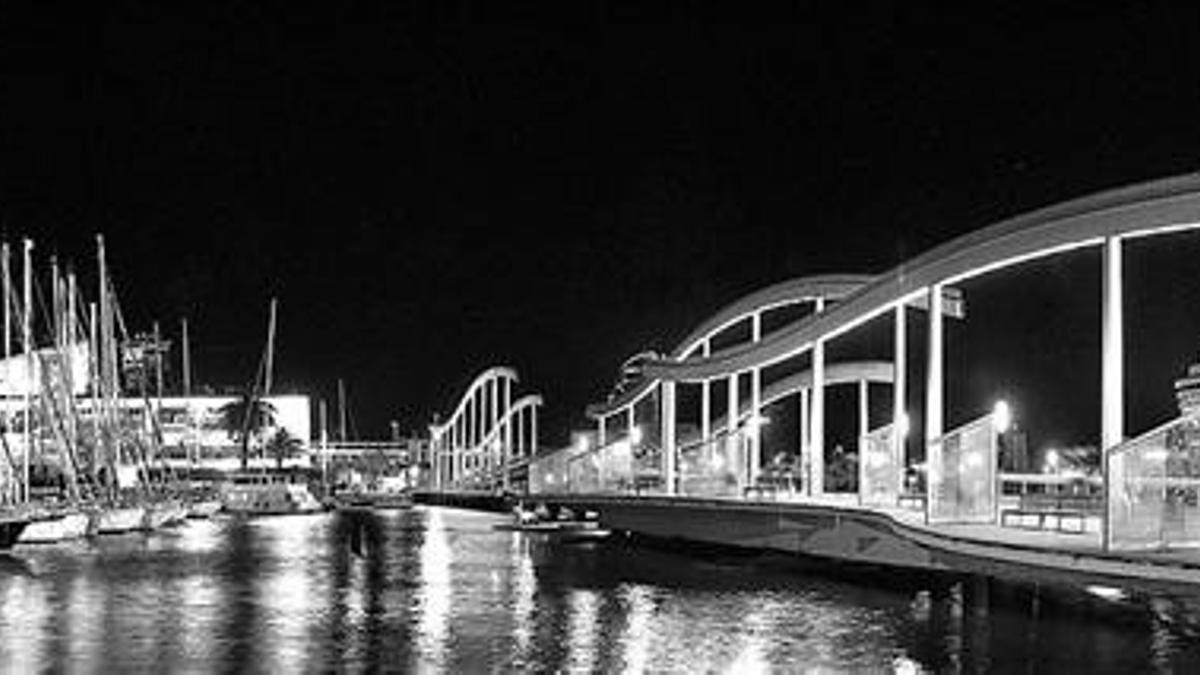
{"x": 880, "y": 471}
{"x": 1153, "y": 489}
{"x": 961, "y": 474}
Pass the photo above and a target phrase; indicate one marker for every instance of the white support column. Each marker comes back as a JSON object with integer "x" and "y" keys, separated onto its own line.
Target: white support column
{"x": 900, "y": 366}
{"x": 519, "y": 420}
{"x": 934, "y": 384}
{"x": 804, "y": 447}
{"x": 732, "y": 411}
{"x": 601, "y": 432}
{"x": 864, "y": 410}
{"x": 506, "y": 406}
{"x": 754, "y": 425}
{"x": 668, "y": 435}
{"x": 816, "y": 423}
{"x": 1112, "y": 404}
{"x": 470, "y": 421}
{"x": 705, "y": 399}
{"x": 533, "y": 431}
{"x": 455, "y": 440}
{"x": 493, "y": 407}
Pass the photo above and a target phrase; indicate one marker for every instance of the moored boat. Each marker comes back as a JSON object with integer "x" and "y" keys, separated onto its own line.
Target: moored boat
{"x": 50, "y": 528}
{"x": 162, "y": 514}
{"x": 263, "y": 494}
{"x": 203, "y": 508}
{"x": 119, "y": 519}
{"x": 376, "y": 500}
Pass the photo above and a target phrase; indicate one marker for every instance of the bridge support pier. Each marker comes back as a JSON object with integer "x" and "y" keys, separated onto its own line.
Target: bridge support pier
{"x": 816, "y": 425}
{"x": 1112, "y": 369}
{"x": 934, "y": 381}
{"x": 731, "y": 417}
{"x": 900, "y": 366}
{"x": 668, "y": 436}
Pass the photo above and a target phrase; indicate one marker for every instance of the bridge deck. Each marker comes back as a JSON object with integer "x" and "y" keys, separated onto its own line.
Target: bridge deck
{"x": 1079, "y": 543}
{"x": 1046, "y": 555}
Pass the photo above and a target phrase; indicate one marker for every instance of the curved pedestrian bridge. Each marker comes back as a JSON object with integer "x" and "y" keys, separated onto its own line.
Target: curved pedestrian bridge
{"x": 677, "y": 451}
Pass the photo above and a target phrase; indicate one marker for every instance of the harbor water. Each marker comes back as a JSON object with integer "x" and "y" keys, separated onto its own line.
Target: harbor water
{"x": 442, "y": 590}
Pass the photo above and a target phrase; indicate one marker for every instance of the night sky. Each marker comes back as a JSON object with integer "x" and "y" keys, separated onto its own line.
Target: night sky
{"x": 433, "y": 189}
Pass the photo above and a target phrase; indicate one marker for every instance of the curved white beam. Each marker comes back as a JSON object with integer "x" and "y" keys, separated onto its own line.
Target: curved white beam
{"x": 1152, "y": 208}
{"x": 790, "y": 292}
{"x": 794, "y": 291}
{"x": 480, "y": 381}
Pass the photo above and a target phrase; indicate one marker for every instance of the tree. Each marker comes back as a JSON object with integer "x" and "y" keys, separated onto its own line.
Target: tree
{"x": 283, "y": 445}
{"x": 244, "y": 418}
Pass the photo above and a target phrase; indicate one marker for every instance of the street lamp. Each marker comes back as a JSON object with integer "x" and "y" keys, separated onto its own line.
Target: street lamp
{"x": 1001, "y": 416}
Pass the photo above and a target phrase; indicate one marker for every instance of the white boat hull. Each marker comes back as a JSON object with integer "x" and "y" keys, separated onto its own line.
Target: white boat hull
{"x": 163, "y": 514}
{"x": 204, "y": 509}
{"x": 115, "y": 520}
{"x": 62, "y": 527}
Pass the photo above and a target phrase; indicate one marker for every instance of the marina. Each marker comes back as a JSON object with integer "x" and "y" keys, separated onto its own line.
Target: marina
{"x": 442, "y": 589}
{"x": 600, "y": 337}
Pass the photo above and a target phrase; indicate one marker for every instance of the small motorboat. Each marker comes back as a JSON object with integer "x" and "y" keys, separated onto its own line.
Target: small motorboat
{"x": 566, "y": 527}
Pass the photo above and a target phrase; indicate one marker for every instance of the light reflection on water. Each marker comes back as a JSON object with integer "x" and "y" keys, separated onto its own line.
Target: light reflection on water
{"x": 442, "y": 590}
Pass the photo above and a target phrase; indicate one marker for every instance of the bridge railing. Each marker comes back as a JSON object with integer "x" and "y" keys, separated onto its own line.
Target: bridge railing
{"x": 961, "y": 474}
{"x": 880, "y": 470}
{"x": 1153, "y": 489}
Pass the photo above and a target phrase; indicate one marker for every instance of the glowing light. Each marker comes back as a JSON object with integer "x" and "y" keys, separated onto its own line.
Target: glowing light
{"x": 756, "y": 421}
{"x": 717, "y": 462}
{"x": 1001, "y": 417}
{"x": 635, "y": 435}
{"x": 1052, "y": 460}
{"x": 904, "y": 425}
{"x": 974, "y": 460}
{"x": 1155, "y": 455}
{"x": 1106, "y": 592}
{"x": 582, "y": 443}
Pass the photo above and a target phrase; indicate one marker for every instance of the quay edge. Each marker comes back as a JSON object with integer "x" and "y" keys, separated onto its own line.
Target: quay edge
{"x": 870, "y": 538}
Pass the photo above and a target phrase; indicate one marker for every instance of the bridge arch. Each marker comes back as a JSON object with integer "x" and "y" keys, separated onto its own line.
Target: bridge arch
{"x": 486, "y": 434}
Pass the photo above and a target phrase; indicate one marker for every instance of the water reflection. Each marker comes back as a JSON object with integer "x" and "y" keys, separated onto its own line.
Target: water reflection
{"x": 443, "y": 590}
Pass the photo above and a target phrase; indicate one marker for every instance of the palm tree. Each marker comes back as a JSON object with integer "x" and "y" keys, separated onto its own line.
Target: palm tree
{"x": 246, "y": 417}
{"x": 282, "y": 445}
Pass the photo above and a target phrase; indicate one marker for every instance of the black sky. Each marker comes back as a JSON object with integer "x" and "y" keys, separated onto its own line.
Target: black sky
{"x": 431, "y": 189}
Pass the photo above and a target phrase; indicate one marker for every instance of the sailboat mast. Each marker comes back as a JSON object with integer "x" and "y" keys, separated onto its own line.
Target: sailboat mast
{"x": 187, "y": 394}
{"x": 341, "y": 410}
{"x": 187, "y": 362}
{"x": 27, "y": 341}
{"x": 270, "y": 350}
{"x": 158, "y": 364}
{"x": 5, "y": 255}
{"x": 94, "y": 374}
{"x": 10, "y": 467}
{"x": 105, "y": 360}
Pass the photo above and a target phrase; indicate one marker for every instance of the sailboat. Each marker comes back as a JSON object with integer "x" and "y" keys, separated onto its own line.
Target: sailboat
{"x": 57, "y": 517}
